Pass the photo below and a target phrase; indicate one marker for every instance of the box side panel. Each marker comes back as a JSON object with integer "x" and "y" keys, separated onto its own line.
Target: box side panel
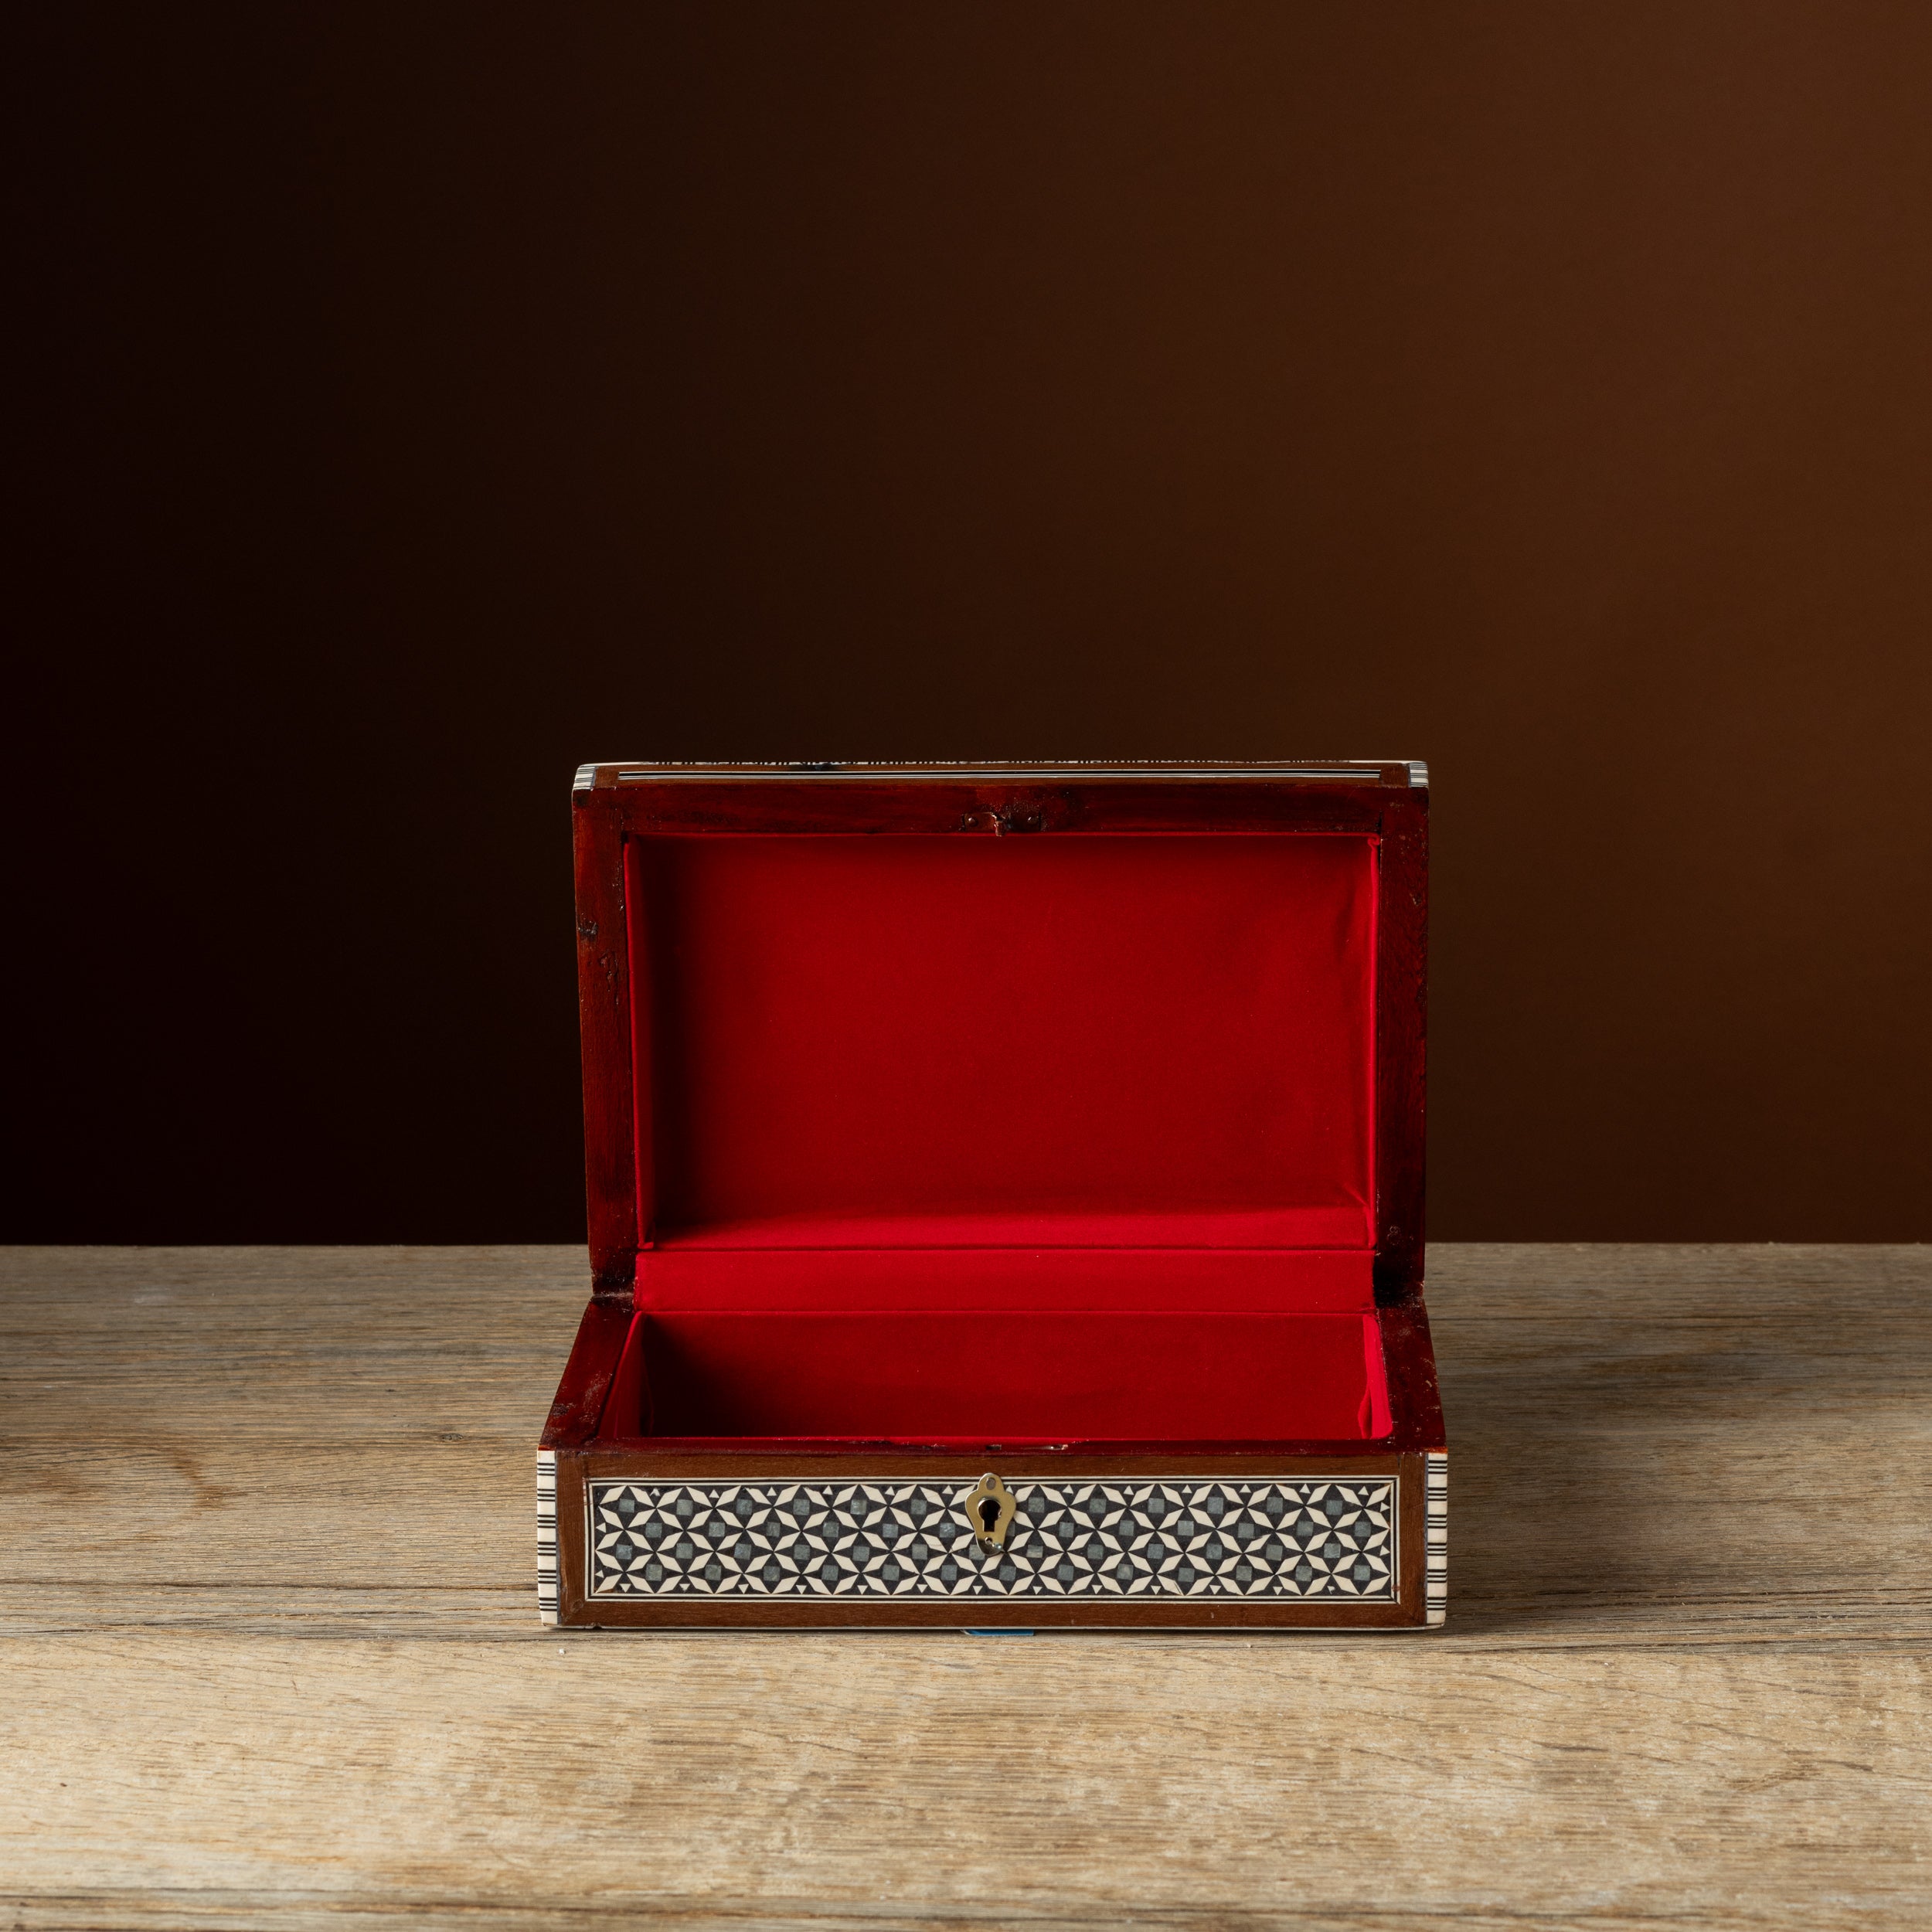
{"x": 578, "y": 1406}
{"x": 612, "y": 1165}
{"x": 1409, "y": 1359}
{"x": 1401, "y": 1024}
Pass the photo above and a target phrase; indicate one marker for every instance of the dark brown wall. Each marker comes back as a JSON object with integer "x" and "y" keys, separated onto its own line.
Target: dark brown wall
{"x": 420, "y": 400}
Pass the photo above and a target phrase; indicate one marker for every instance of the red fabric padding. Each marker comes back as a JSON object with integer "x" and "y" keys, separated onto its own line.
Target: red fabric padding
{"x": 1344, "y": 1225}
{"x": 1006, "y": 1378}
{"x": 988, "y": 1031}
{"x": 835, "y": 1280}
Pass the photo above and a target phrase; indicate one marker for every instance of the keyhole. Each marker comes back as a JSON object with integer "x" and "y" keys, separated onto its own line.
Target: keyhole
{"x": 989, "y": 1513}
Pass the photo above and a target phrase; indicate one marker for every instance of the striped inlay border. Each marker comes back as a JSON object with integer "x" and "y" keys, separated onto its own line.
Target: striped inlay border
{"x": 546, "y": 1570}
{"x": 1435, "y": 1536}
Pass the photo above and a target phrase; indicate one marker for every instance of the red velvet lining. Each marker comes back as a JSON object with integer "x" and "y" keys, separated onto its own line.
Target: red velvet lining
{"x": 979, "y": 1139}
{"x": 1314, "y": 1280}
{"x": 962, "y": 1376}
{"x": 1342, "y": 1226}
{"x": 886, "y": 1029}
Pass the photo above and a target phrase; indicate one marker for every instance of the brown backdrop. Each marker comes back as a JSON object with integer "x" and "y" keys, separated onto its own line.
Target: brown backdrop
{"x": 421, "y": 399}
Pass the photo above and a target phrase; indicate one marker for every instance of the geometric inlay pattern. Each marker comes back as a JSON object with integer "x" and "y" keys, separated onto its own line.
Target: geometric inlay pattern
{"x": 1189, "y": 1536}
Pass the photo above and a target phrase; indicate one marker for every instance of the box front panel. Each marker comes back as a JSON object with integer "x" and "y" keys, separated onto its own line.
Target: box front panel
{"x": 1305, "y": 1544}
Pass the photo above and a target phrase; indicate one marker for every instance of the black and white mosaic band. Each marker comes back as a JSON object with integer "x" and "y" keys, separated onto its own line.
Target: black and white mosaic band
{"x": 546, "y": 1552}
{"x": 1435, "y": 1537}
{"x": 1194, "y": 1536}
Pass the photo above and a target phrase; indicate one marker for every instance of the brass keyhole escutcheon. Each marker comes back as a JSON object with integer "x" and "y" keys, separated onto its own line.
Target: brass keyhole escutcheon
{"x": 990, "y": 1506}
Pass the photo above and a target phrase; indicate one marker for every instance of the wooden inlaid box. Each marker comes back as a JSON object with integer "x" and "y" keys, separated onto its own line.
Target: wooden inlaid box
{"x": 1006, "y": 1201}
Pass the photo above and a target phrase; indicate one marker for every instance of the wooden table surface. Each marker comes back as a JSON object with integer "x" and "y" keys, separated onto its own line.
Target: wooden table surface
{"x": 271, "y": 1655}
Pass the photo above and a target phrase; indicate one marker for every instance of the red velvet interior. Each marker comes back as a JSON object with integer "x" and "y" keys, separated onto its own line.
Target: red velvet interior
{"x": 1033, "y": 1375}
{"x": 857, "y": 1029}
{"x": 1211, "y": 1281}
{"x": 1031, "y": 1138}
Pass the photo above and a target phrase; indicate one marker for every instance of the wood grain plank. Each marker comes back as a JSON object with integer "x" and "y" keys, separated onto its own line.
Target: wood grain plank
{"x": 1280, "y": 1776}
{"x": 269, "y": 1652}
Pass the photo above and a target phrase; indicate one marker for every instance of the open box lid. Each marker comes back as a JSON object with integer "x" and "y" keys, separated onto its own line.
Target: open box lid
{"x": 1145, "y": 1011}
